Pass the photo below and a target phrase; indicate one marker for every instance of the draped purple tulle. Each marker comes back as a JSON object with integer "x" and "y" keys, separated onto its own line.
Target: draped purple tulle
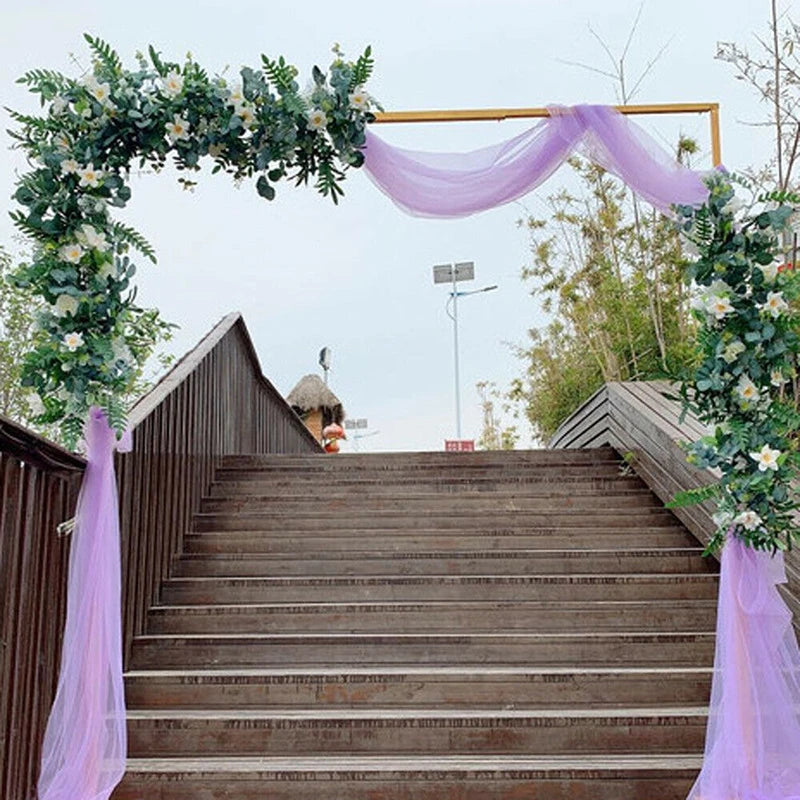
{"x": 753, "y": 738}
{"x": 85, "y": 742}
{"x": 460, "y": 184}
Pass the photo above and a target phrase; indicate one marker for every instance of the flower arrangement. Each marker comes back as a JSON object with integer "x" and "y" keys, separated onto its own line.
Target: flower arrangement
{"x": 745, "y": 302}
{"x": 82, "y": 150}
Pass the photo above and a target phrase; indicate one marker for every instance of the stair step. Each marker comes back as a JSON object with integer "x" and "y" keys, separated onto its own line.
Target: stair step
{"x": 434, "y": 486}
{"x": 397, "y": 731}
{"x": 410, "y": 588}
{"x": 606, "y": 776}
{"x": 616, "y": 519}
{"x": 543, "y": 649}
{"x": 387, "y": 461}
{"x": 472, "y": 616}
{"x": 438, "y": 562}
{"x": 319, "y": 501}
{"x": 290, "y": 541}
{"x": 414, "y": 686}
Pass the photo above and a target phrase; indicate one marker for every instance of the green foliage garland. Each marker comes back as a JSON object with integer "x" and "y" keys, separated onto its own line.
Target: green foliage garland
{"x": 746, "y": 303}
{"x": 92, "y": 335}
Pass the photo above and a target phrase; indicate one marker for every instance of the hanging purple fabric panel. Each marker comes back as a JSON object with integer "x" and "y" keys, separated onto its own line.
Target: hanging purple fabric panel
{"x": 85, "y": 743}
{"x": 459, "y": 184}
{"x": 753, "y": 739}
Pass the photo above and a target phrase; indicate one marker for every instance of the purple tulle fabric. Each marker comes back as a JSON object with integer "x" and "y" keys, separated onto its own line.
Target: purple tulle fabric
{"x": 753, "y": 738}
{"x": 460, "y": 184}
{"x": 85, "y": 742}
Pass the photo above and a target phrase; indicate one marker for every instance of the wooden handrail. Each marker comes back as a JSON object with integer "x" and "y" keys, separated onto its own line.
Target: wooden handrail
{"x": 214, "y": 402}
{"x": 634, "y": 417}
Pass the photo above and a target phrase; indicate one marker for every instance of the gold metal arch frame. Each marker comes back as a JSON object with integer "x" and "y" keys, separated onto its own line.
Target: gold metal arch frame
{"x": 477, "y": 114}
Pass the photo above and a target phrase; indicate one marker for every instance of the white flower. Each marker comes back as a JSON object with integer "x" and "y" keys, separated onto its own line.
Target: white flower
{"x": 317, "y": 120}
{"x": 71, "y": 252}
{"x": 69, "y": 166}
{"x": 770, "y": 271}
{"x": 65, "y": 304}
{"x": 246, "y": 115}
{"x": 722, "y": 518}
{"x": 359, "y": 99}
{"x": 775, "y": 304}
{"x": 746, "y": 389}
{"x": 178, "y": 128}
{"x": 236, "y": 97}
{"x": 732, "y": 206}
{"x": 777, "y": 378}
{"x": 58, "y": 106}
{"x": 172, "y": 83}
{"x": 749, "y": 520}
{"x": 731, "y": 352}
{"x": 106, "y": 271}
{"x": 72, "y": 341}
{"x": 718, "y": 306}
{"x": 100, "y": 91}
{"x": 93, "y": 238}
{"x": 767, "y": 458}
{"x": 90, "y": 176}
{"x": 35, "y": 405}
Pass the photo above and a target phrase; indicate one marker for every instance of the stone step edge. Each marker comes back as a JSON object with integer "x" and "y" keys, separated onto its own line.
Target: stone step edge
{"x": 354, "y": 555}
{"x": 414, "y": 670}
{"x": 420, "y": 767}
{"x": 382, "y": 580}
{"x": 430, "y": 714}
{"x": 394, "y": 638}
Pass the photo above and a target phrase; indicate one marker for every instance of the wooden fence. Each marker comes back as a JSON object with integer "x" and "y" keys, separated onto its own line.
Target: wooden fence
{"x": 636, "y": 419}
{"x": 214, "y": 402}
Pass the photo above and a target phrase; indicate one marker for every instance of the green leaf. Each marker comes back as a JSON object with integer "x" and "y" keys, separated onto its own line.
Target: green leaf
{"x": 264, "y": 189}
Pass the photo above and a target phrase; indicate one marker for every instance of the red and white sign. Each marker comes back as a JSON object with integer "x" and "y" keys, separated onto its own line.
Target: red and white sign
{"x": 459, "y": 445}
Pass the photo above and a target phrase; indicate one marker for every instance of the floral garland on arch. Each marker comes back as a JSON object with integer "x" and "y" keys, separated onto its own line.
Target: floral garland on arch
{"x": 92, "y": 334}
{"x": 746, "y": 301}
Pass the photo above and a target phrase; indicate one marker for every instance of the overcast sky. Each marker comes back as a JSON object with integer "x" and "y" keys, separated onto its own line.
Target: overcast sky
{"x": 357, "y": 278}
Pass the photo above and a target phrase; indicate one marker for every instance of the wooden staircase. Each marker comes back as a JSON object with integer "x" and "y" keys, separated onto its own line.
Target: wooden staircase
{"x": 523, "y": 625}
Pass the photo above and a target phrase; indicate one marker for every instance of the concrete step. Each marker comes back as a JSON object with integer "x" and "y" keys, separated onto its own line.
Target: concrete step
{"x": 487, "y": 539}
{"x": 553, "y": 485}
{"x": 616, "y": 519}
{"x": 419, "y": 687}
{"x": 442, "y": 562}
{"x": 191, "y": 651}
{"x": 606, "y": 776}
{"x": 437, "y": 617}
{"x": 409, "y": 588}
{"x": 465, "y": 502}
{"x": 155, "y": 733}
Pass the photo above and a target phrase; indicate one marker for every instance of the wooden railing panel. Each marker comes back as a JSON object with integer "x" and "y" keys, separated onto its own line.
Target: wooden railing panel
{"x": 213, "y": 403}
{"x": 38, "y": 489}
{"x": 636, "y": 418}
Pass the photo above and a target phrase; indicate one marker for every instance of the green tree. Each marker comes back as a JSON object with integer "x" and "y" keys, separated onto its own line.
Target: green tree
{"x": 494, "y": 435}
{"x": 611, "y": 275}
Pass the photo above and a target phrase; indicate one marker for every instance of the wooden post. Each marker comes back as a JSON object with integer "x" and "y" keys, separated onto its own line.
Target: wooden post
{"x": 477, "y": 114}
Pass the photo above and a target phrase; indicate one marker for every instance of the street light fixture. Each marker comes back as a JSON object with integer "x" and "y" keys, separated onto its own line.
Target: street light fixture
{"x": 452, "y": 273}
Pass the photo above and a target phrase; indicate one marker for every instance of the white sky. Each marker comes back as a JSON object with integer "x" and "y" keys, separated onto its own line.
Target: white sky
{"x": 357, "y": 278}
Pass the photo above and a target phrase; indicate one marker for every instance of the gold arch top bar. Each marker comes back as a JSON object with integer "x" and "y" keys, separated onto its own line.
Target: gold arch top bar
{"x": 477, "y": 114}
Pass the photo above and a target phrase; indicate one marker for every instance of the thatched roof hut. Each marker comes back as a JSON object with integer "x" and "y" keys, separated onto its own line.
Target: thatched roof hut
{"x": 316, "y": 404}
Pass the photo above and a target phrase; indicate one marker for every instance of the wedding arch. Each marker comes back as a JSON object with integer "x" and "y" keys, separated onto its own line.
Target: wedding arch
{"x": 91, "y": 336}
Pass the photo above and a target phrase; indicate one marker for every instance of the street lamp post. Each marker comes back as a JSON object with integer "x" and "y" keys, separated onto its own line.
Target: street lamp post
{"x": 447, "y": 273}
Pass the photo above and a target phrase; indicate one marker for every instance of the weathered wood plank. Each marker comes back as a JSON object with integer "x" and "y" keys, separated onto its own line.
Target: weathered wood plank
{"x": 639, "y": 420}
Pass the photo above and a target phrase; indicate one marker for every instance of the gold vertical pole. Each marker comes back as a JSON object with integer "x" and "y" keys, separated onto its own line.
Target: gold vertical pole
{"x": 716, "y": 144}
